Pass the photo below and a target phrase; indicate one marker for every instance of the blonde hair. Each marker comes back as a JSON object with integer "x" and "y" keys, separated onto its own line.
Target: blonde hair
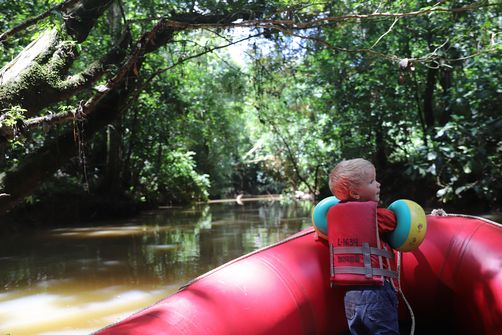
{"x": 346, "y": 175}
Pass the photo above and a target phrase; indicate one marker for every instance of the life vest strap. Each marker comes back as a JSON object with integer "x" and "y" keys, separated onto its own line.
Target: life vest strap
{"x": 364, "y": 271}
{"x": 363, "y": 250}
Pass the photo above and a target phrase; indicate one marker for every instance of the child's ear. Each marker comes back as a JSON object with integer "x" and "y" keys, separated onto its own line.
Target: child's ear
{"x": 354, "y": 195}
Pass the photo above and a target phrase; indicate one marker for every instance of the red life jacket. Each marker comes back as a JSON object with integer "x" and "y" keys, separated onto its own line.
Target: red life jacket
{"x": 357, "y": 253}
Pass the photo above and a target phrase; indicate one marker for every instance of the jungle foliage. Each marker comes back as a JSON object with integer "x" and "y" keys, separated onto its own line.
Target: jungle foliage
{"x": 148, "y": 102}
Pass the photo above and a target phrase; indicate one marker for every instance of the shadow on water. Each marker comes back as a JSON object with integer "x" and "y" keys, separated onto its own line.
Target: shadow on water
{"x": 73, "y": 280}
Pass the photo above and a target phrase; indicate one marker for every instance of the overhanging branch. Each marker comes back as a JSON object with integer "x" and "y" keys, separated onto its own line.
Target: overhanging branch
{"x": 296, "y": 24}
{"x": 77, "y": 113}
{"x": 432, "y": 59}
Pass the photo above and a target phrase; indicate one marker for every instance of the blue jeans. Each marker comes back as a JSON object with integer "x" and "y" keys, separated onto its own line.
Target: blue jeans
{"x": 372, "y": 310}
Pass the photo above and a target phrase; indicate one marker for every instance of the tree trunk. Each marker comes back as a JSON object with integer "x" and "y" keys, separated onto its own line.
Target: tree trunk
{"x": 445, "y": 82}
{"x": 82, "y": 16}
{"x": 429, "y": 99}
{"x": 110, "y": 184}
{"x": 381, "y": 155}
{"x": 430, "y": 86}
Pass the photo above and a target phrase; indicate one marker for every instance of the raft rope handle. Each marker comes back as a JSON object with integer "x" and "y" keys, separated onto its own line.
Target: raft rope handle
{"x": 412, "y": 315}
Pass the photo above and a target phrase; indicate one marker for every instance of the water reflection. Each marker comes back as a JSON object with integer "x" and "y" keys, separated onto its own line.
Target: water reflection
{"x": 73, "y": 280}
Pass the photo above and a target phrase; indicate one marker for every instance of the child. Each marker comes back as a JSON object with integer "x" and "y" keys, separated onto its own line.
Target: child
{"x": 369, "y": 309}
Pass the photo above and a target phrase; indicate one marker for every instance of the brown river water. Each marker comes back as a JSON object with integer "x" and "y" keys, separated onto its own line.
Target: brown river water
{"x": 80, "y": 278}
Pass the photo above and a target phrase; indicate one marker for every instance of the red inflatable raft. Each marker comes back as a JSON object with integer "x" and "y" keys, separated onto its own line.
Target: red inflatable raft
{"x": 453, "y": 284}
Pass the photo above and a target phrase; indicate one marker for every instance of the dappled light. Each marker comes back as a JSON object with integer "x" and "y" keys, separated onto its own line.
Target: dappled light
{"x": 105, "y": 231}
{"x": 37, "y": 311}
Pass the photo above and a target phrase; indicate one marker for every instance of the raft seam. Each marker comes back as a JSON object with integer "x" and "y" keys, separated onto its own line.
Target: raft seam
{"x": 464, "y": 245}
{"x": 464, "y": 248}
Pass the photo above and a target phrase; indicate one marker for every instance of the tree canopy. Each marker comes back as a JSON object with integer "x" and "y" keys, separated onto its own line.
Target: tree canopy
{"x": 113, "y": 103}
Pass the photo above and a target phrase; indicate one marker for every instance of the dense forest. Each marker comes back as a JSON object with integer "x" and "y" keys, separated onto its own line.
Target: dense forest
{"x": 109, "y": 106}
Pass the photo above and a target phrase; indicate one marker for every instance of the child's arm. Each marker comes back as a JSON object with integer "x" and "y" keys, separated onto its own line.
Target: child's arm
{"x": 386, "y": 220}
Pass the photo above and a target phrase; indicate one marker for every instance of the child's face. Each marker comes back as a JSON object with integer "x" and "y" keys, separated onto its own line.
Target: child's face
{"x": 369, "y": 188}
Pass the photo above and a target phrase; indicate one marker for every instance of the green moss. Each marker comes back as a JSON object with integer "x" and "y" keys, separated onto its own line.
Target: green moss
{"x": 63, "y": 57}
{"x": 38, "y": 78}
{"x": 44, "y": 74}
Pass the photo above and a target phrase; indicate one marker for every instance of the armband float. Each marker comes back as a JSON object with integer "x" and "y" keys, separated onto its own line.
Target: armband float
{"x": 411, "y": 223}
